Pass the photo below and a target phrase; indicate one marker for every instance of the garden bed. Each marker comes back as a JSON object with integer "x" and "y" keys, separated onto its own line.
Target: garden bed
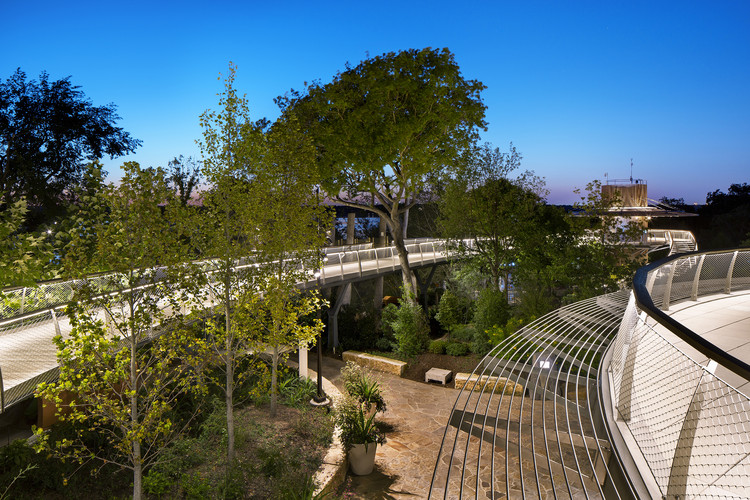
{"x": 275, "y": 458}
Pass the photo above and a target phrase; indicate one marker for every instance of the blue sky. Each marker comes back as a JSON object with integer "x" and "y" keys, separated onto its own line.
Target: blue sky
{"x": 580, "y": 88}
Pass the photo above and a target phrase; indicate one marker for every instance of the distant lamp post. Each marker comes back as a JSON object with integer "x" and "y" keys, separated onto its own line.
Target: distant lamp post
{"x": 320, "y": 398}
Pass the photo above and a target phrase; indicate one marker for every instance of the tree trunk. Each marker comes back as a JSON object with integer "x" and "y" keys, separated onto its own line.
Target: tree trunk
{"x": 403, "y": 257}
{"x": 137, "y": 466}
{"x": 229, "y": 364}
{"x": 274, "y": 376}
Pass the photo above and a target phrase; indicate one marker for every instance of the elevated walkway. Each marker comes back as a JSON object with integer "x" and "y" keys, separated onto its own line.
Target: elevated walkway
{"x": 639, "y": 394}
{"x": 33, "y": 316}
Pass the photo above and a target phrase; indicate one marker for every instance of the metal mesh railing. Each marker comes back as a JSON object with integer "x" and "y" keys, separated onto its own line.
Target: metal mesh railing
{"x": 691, "y": 428}
{"x": 526, "y": 423}
{"x": 31, "y": 317}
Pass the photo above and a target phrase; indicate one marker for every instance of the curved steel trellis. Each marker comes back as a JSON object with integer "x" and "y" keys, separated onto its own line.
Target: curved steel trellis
{"x": 528, "y": 420}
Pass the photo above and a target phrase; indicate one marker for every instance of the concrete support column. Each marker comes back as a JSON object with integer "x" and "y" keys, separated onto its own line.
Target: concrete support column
{"x": 333, "y": 314}
{"x": 377, "y": 297}
{"x": 303, "y": 371}
{"x": 350, "y": 222}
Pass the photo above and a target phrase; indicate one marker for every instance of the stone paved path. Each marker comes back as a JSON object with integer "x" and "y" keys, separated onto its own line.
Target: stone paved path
{"x": 416, "y": 418}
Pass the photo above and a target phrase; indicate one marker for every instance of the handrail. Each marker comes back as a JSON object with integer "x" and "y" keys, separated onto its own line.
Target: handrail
{"x": 681, "y": 417}
{"x": 339, "y": 267}
{"x": 645, "y": 303}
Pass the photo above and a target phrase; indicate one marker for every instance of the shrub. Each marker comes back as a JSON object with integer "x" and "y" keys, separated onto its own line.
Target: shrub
{"x": 451, "y": 310}
{"x": 497, "y": 334}
{"x": 456, "y": 349}
{"x": 491, "y": 310}
{"x": 437, "y": 346}
{"x": 359, "y": 326}
{"x": 410, "y": 328}
{"x": 362, "y": 386}
{"x": 462, "y": 333}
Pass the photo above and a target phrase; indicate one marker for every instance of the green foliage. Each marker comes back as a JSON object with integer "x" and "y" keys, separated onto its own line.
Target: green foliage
{"x": 25, "y": 256}
{"x": 359, "y": 326}
{"x": 452, "y": 310}
{"x": 483, "y": 203}
{"x": 157, "y": 483}
{"x": 491, "y": 310}
{"x": 384, "y": 129}
{"x": 410, "y": 328}
{"x": 356, "y": 426}
{"x": 362, "y": 386}
{"x": 497, "y": 333}
{"x": 437, "y": 346}
{"x": 462, "y": 333}
{"x": 49, "y": 131}
{"x": 295, "y": 391}
{"x": 124, "y": 385}
{"x": 195, "y": 487}
{"x": 457, "y": 349}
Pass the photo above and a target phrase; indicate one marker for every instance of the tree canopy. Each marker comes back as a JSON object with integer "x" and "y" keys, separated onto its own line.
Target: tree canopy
{"x": 483, "y": 202}
{"x": 384, "y": 129}
{"x": 49, "y": 131}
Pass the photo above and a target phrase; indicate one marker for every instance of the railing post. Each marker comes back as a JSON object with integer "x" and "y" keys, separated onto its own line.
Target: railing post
{"x": 696, "y": 279}
{"x": 57, "y": 323}
{"x": 377, "y": 261}
{"x": 359, "y": 260}
{"x": 341, "y": 263}
{"x": 23, "y": 300}
{"x": 728, "y": 284}
{"x": 668, "y": 287}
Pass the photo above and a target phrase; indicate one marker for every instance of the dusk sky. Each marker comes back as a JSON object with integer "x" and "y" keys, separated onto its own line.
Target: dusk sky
{"x": 580, "y": 88}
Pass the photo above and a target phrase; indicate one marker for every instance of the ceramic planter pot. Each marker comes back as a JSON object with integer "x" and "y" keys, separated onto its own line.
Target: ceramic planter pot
{"x": 362, "y": 458}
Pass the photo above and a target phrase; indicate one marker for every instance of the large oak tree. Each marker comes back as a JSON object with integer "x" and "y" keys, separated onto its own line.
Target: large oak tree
{"x": 386, "y": 128}
{"x": 49, "y": 132}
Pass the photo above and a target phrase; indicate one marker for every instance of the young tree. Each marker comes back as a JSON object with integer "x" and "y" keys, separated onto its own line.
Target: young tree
{"x": 385, "y": 129}
{"x": 261, "y": 224}
{"x": 484, "y": 203}
{"x": 49, "y": 131}
{"x": 225, "y": 230}
{"x": 128, "y": 358}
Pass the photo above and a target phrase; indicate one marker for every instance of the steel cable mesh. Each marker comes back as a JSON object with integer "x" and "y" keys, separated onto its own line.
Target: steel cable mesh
{"x": 660, "y": 279}
{"x": 622, "y": 342}
{"x": 28, "y": 355}
{"x": 715, "y": 463}
{"x": 657, "y": 387}
{"x": 682, "y": 281}
{"x": 741, "y": 271}
{"x": 714, "y": 273}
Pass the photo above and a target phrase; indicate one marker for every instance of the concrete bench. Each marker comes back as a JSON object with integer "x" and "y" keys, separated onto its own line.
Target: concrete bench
{"x": 379, "y": 363}
{"x": 495, "y": 384}
{"x": 438, "y": 375}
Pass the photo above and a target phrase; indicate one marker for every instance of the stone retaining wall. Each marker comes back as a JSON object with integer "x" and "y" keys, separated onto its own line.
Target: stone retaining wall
{"x": 496, "y": 384}
{"x": 379, "y": 363}
{"x": 332, "y": 472}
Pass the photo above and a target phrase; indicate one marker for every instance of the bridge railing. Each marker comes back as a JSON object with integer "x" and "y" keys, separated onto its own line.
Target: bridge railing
{"x": 690, "y": 427}
{"x": 32, "y": 316}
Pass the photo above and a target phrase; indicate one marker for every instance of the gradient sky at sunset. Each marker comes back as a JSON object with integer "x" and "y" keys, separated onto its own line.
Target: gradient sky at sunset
{"x": 580, "y": 88}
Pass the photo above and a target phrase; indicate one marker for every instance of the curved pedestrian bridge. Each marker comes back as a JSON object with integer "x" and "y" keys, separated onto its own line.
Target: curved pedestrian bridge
{"x": 636, "y": 394}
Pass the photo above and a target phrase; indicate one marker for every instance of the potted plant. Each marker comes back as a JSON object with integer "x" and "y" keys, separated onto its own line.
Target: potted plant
{"x": 361, "y": 386}
{"x": 360, "y": 435}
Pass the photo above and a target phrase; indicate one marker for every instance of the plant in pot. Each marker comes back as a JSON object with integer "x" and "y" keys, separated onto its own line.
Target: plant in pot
{"x": 363, "y": 387}
{"x": 360, "y": 435}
